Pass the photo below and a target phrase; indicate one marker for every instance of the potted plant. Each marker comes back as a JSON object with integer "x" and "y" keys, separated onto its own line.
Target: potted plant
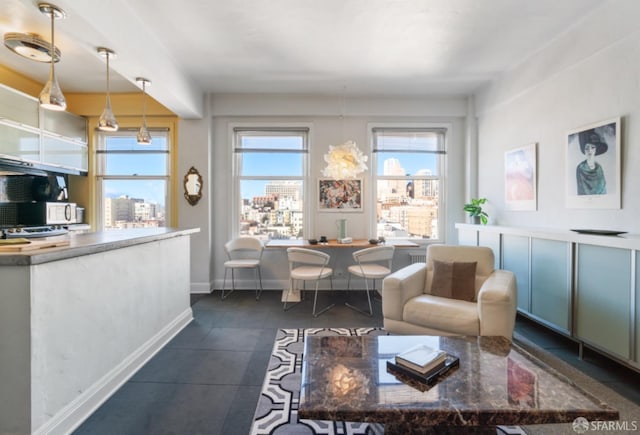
{"x": 474, "y": 208}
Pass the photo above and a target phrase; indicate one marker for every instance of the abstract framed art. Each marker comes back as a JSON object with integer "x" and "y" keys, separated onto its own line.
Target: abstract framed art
{"x": 340, "y": 195}
{"x": 520, "y": 183}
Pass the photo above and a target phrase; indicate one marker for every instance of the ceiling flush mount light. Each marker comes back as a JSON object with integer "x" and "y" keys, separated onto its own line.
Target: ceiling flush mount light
{"x": 344, "y": 161}
{"x": 31, "y": 46}
{"x": 107, "y": 121}
{"x": 51, "y": 97}
{"x": 144, "y": 138}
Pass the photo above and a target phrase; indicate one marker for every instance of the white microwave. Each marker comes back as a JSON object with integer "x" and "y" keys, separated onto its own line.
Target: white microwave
{"x": 47, "y": 213}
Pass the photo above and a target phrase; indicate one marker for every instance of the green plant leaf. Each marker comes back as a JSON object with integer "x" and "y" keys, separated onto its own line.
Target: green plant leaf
{"x": 474, "y": 208}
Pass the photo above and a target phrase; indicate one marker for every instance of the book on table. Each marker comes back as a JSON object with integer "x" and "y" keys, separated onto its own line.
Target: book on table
{"x": 421, "y": 358}
{"x": 429, "y": 378}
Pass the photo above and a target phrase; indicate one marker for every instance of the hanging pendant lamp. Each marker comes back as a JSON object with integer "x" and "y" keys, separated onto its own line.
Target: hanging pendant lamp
{"x": 107, "y": 121}
{"x": 143, "y": 137}
{"x": 344, "y": 161}
{"x": 51, "y": 97}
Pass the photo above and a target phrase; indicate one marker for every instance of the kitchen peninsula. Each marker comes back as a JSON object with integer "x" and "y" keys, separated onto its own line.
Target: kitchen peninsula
{"x": 77, "y": 321}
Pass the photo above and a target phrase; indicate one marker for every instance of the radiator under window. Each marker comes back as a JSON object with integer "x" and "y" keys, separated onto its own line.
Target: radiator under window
{"x": 418, "y": 258}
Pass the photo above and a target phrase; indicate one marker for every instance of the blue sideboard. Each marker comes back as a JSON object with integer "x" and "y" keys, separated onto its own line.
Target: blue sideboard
{"x": 582, "y": 286}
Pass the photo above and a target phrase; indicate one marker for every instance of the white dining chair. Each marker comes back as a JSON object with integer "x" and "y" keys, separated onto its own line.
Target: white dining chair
{"x": 308, "y": 265}
{"x": 243, "y": 253}
{"x": 371, "y": 264}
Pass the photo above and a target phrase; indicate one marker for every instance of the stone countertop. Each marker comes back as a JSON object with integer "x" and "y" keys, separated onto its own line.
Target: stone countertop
{"x": 91, "y": 243}
{"x": 497, "y": 383}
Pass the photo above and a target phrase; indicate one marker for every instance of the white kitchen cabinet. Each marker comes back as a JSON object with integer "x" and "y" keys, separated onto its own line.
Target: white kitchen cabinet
{"x": 35, "y": 135}
{"x": 61, "y": 152}
{"x": 19, "y": 143}
{"x": 18, "y": 108}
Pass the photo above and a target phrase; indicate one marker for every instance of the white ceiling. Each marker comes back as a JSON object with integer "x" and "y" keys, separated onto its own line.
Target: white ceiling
{"x": 376, "y": 47}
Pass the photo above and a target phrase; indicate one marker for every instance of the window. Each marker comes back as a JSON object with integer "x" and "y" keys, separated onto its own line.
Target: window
{"x": 408, "y": 171}
{"x": 270, "y": 170}
{"x": 132, "y": 180}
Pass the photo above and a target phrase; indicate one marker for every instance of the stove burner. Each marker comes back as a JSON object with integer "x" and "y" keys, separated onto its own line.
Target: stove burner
{"x": 32, "y": 232}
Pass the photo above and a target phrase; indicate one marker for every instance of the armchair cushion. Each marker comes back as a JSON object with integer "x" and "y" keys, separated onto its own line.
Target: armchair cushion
{"x": 444, "y": 314}
{"x": 454, "y": 279}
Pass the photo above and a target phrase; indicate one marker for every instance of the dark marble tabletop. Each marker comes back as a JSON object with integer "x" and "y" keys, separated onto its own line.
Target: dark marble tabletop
{"x": 497, "y": 383}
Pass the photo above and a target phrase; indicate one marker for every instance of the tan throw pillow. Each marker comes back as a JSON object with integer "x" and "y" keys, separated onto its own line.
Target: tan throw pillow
{"x": 456, "y": 280}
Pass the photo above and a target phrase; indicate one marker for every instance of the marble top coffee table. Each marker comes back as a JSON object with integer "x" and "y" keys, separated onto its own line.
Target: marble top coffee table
{"x": 497, "y": 383}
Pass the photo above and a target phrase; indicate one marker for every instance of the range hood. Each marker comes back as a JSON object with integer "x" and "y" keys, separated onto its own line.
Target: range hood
{"x": 10, "y": 166}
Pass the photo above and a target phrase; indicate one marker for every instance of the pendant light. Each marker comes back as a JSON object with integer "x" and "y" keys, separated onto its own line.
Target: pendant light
{"x": 51, "y": 97}
{"x": 107, "y": 121}
{"x": 144, "y": 138}
{"x": 344, "y": 161}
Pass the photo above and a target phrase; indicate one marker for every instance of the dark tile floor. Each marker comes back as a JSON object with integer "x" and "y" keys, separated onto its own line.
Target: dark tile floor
{"x": 208, "y": 378}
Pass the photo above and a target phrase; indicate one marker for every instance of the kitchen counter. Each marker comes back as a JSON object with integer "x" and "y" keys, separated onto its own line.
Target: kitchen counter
{"x": 76, "y": 322}
{"x": 90, "y": 243}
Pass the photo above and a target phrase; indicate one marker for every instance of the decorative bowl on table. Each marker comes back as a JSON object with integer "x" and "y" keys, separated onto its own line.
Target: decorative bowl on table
{"x": 313, "y": 242}
{"x": 374, "y": 241}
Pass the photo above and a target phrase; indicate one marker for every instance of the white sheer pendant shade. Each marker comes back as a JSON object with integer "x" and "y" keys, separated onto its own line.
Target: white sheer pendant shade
{"x": 107, "y": 121}
{"x": 51, "y": 97}
{"x": 143, "y": 137}
{"x": 344, "y": 161}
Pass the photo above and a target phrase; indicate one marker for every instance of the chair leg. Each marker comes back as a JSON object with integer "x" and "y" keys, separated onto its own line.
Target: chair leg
{"x": 377, "y": 294}
{"x": 224, "y": 284}
{"x": 315, "y": 300}
{"x": 353, "y": 307}
{"x": 348, "y": 295}
{"x": 259, "y": 276}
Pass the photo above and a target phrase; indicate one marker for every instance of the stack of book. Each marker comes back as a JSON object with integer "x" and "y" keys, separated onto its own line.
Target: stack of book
{"x": 423, "y": 363}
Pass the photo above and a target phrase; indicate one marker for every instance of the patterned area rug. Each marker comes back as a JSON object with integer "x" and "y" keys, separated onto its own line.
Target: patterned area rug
{"x": 277, "y": 410}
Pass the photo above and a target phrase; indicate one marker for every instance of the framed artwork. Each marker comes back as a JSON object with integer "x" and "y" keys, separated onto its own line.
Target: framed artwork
{"x": 340, "y": 195}
{"x": 520, "y": 178}
{"x": 593, "y": 166}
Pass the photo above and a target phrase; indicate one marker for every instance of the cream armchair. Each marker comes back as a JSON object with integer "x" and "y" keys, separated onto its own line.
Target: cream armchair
{"x": 409, "y": 307}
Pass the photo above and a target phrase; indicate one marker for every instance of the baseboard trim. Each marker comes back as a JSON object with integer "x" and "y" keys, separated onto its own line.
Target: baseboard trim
{"x": 72, "y": 415}
{"x": 200, "y": 288}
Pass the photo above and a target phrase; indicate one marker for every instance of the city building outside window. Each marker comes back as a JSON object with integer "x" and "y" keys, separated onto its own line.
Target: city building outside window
{"x": 407, "y": 168}
{"x": 132, "y": 180}
{"x": 270, "y": 169}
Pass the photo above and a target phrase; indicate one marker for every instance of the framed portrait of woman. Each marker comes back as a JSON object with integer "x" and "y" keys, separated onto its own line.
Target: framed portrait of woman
{"x": 593, "y": 166}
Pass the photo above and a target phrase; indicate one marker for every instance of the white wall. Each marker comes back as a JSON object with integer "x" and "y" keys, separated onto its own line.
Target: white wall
{"x": 194, "y": 139}
{"x": 591, "y": 73}
{"x": 322, "y": 114}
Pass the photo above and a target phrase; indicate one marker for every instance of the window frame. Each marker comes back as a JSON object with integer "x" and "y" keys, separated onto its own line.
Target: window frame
{"x": 446, "y": 130}
{"x": 237, "y": 177}
{"x": 100, "y": 165}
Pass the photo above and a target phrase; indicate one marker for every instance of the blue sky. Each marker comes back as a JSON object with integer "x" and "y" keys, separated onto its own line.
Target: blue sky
{"x": 258, "y": 163}
{"x": 276, "y": 164}
{"x": 142, "y": 164}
